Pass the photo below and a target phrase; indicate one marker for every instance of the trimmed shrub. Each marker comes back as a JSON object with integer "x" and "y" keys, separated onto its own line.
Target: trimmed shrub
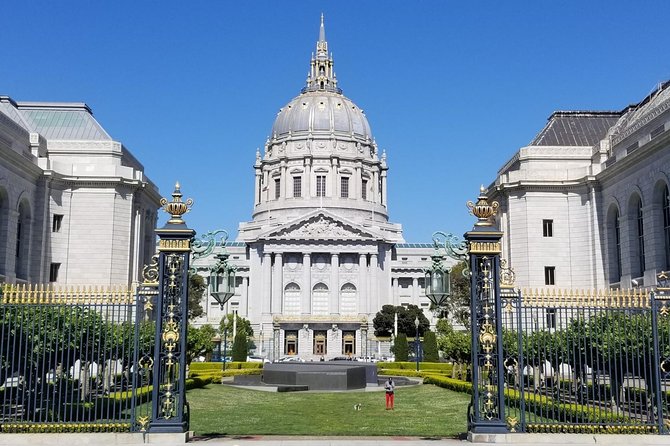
{"x": 430, "y": 347}
{"x": 240, "y": 348}
{"x": 400, "y": 347}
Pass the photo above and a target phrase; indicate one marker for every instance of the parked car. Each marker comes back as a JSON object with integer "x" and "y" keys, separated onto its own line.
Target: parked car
{"x": 253, "y": 358}
{"x": 292, "y": 358}
{"x": 367, "y": 359}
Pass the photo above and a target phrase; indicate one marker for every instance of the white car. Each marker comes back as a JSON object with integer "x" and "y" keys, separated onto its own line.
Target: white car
{"x": 290, "y": 359}
{"x": 252, "y": 358}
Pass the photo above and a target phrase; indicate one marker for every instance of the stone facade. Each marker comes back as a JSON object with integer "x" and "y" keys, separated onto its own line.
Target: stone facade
{"x": 320, "y": 256}
{"x": 586, "y": 204}
{"x": 75, "y": 205}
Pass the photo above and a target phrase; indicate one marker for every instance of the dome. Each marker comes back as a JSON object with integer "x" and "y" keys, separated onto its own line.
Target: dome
{"x": 322, "y": 112}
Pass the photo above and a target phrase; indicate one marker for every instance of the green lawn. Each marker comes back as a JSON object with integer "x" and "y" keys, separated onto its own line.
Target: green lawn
{"x": 424, "y": 410}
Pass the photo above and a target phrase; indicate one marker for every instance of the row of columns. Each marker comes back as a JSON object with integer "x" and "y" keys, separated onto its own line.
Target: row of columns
{"x": 378, "y": 183}
{"x": 272, "y": 296}
{"x": 395, "y": 283}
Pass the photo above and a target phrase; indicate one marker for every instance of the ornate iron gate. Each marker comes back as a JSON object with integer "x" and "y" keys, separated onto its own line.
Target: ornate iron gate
{"x": 74, "y": 359}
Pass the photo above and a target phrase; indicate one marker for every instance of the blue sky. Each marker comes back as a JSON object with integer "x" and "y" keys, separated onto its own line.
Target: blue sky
{"x": 451, "y": 89}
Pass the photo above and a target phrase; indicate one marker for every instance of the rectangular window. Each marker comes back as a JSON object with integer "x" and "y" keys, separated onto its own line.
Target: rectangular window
{"x": 57, "y": 222}
{"x": 344, "y": 187}
{"x": 53, "y": 272}
{"x": 551, "y": 317}
{"x": 320, "y": 185}
{"x": 277, "y": 188}
{"x": 297, "y": 187}
{"x": 549, "y": 275}
{"x": 364, "y": 189}
{"x": 657, "y": 131}
{"x": 547, "y": 228}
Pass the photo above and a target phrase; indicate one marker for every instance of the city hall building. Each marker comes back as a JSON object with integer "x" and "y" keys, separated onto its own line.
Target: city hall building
{"x": 320, "y": 257}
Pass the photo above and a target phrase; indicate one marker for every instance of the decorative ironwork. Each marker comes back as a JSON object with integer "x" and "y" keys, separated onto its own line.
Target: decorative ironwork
{"x": 507, "y": 275}
{"x": 482, "y": 209}
{"x": 150, "y": 272}
{"x": 169, "y": 364}
{"x": 176, "y": 208}
{"x": 68, "y": 358}
{"x": 205, "y": 245}
{"x": 453, "y": 246}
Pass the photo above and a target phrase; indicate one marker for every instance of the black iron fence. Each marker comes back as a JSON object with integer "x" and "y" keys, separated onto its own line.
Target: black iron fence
{"x": 74, "y": 360}
{"x": 586, "y": 362}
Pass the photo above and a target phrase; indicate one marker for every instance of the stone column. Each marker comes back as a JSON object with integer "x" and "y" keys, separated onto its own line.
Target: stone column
{"x": 362, "y": 285}
{"x": 395, "y": 290}
{"x": 334, "y": 283}
{"x": 334, "y": 164}
{"x": 284, "y": 187}
{"x": 375, "y": 187}
{"x": 277, "y": 283}
{"x": 415, "y": 291}
{"x": 257, "y": 185}
{"x": 307, "y": 179}
{"x": 356, "y": 186}
{"x": 266, "y": 286}
{"x": 306, "y": 306}
{"x": 244, "y": 298}
{"x": 384, "y": 199}
{"x": 374, "y": 288}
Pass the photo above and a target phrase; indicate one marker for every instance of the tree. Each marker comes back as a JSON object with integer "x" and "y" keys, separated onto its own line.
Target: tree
{"x": 457, "y": 305}
{"x": 400, "y": 348}
{"x": 199, "y": 341}
{"x": 196, "y": 289}
{"x": 385, "y": 319}
{"x": 454, "y": 345}
{"x": 430, "y": 347}
{"x": 243, "y": 325}
{"x": 240, "y": 348}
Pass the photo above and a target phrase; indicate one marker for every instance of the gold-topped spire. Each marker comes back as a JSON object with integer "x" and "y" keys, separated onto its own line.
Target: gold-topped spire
{"x": 482, "y": 209}
{"x": 321, "y": 76}
{"x": 176, "y": 208}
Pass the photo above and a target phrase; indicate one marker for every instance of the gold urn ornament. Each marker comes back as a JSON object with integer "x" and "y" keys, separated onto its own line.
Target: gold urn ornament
{"x": 176, "y": 208}
{"x": 482, "y": 209}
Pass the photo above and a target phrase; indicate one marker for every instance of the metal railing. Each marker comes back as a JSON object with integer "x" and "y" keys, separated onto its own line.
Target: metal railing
{"x": 74, "y": 359}
{"x": 586, "y": 362}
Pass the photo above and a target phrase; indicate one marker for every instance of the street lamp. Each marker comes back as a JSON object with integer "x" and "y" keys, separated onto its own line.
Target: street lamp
{"x": 437, "y": 283}
{"x": 416, "y": 342}
{"x": 227, "y": 274}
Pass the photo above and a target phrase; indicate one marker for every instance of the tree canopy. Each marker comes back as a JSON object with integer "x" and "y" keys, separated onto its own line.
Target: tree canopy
{"x": 385, "y": 318}
{"x": 196, "y": 289}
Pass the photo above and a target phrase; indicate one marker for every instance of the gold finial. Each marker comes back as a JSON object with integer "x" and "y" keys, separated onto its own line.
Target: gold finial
{"x": 482, "y": 209}
{"x": 176, "y": 208}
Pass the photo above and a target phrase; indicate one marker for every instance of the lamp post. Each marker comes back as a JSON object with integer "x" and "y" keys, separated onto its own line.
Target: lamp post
{"x": 416, "y": 342}
{"x": 227, "y": 273}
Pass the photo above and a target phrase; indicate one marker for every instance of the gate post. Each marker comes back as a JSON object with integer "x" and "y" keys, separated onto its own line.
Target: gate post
{"x": 169, "y": 371}
{"x": 484, "y": 247}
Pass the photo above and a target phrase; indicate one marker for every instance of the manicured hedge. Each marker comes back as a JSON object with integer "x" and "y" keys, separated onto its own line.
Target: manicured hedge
{"x": 216, "y": 376}
{"x": 444, "y": 368}
{"x": 217, "y": 366}
{"x": 539, "y": 404}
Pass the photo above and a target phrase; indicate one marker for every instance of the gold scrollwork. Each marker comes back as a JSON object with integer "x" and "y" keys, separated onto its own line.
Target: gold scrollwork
{"x": 507, "y": 275}
{"x": 512, "y": 423}
{"x": 150, "y": 272}
{"x": 487, "y": 337}
{"x": 143, "y": 421}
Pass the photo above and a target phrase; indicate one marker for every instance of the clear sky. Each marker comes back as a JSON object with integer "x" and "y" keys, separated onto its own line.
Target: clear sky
{"x": 451, "y": 89}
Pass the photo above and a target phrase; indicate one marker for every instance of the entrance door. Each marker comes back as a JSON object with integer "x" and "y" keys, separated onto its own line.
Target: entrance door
{"x": 348, "y": 343}
{"x": 320, "y": 347}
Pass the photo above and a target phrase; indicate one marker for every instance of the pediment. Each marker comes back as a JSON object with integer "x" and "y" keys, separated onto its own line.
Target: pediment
{"x": 321, "y": 227}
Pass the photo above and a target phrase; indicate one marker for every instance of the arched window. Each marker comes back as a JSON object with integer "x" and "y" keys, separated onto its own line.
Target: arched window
{"x": 640, "y": 238}
{"x": 665, "y": 196}
{"x": 320, "y": 299}
{"x": 348, "y": 299}
{"x": 636, "y": 234}
{"x": 292, "y": 299}
{"x": 23, "y": 241}
{"x": 614, "y": 244}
